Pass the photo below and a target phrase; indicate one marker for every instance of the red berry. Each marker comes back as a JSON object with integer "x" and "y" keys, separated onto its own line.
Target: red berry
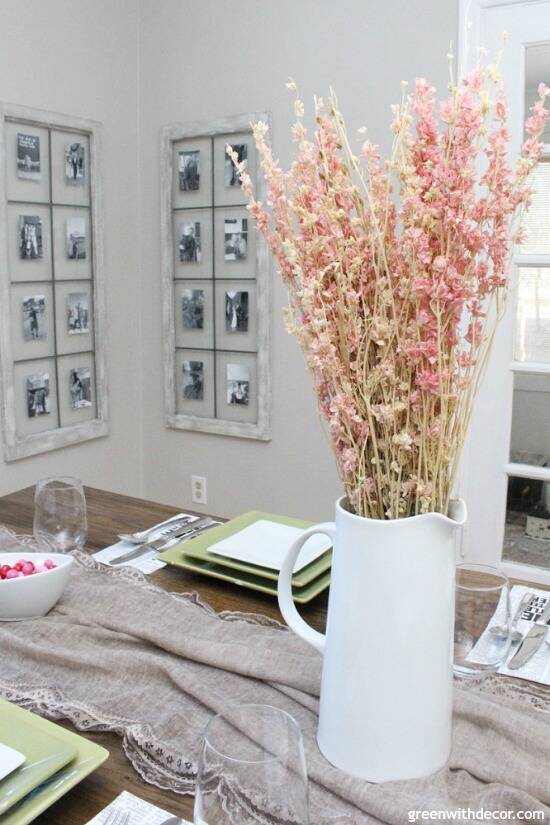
{"x": 25, "y": 567}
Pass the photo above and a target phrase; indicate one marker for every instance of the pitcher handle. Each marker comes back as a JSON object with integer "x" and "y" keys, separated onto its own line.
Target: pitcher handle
{"x": 284, "y": 587}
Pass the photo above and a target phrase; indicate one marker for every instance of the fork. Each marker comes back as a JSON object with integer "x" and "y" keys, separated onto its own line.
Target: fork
{"x": 502, "y": 632}
{"x": 118, "y": 818}
{"x": 142, "y": 536}
{"x": 179, "y": 533}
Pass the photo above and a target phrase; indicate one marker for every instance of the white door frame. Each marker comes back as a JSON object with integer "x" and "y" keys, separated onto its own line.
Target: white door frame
{"x": 487, "y": 479}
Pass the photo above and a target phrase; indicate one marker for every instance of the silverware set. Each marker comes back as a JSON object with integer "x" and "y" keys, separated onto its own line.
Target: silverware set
{"x": 162, "y": 528}
{"x": 182, "y": 528}
{"x": 529, "y": 643}
{"x": 501, "y": 631}
{"x": 532, "y": 640}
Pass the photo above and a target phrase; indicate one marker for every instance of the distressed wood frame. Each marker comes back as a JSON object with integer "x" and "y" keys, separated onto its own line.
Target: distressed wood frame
{"x": 18, "y": 446}
{"x": 261, "y": 429}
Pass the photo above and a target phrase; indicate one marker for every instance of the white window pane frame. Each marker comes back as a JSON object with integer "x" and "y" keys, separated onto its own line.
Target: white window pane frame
{"x": 536, "y": 222}
{"x": 530, "y": 302}
{"x": 19, "y": 444}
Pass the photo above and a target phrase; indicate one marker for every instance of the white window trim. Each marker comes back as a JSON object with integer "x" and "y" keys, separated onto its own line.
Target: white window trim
{"x": 469, "y": 39}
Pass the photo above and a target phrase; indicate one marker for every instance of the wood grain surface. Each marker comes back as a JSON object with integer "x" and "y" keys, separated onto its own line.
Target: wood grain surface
{"x": 109, "y": 514}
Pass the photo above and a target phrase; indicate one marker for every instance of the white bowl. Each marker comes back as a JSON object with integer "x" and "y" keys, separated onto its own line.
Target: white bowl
{"x": 28, "y": 597}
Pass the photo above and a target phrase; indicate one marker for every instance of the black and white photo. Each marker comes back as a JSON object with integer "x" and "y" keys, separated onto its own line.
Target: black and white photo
{"x": 189, "y": 171}
{"x": 34, "y": 318}
{"x": 236, "y": 311}
{"x": 28, "y": 156}
{"x": 75, "y": 162}
{"x": 192, "y": 308}
{"x": 238, "y": 384}
{"x": 231, "y": 176}
{"x": 190, "y": 242}
{"x": 193, "y": 380}
{"x": 38, "y": 394}
{"x": 77, "y": 313}
{"x": 81, "y": 387}
{"x": 235, "y": 238}
{"x": 30, "y": 237}
{"x": 76, "y": 239}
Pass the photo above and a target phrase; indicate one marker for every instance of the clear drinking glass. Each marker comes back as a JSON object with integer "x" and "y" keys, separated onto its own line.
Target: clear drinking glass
{"x": 60, "y": 513}
{"x": 483, "y": 630}
{"x": 252, "y": 769}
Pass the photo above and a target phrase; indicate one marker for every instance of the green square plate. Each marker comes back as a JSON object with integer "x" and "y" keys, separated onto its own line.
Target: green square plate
{"x": 302, "y": 595}
{"x": 87, "y": 757}
{"x": 198, "y": 550}
{"x": 44, "y": 755}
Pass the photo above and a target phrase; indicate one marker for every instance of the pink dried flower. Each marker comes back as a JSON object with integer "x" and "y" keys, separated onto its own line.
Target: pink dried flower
{"x": 384, "y": 260}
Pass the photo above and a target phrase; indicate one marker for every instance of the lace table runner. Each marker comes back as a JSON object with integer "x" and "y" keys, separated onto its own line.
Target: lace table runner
{"x": 119, "y": 654}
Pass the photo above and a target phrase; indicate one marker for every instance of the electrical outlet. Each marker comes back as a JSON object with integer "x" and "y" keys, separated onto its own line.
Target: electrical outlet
{"x": 198, "y": 489}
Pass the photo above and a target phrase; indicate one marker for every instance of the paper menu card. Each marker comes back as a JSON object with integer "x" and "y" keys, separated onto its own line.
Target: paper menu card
{"x": 141, "y": 812}
{"x": 10, "y": 759}
{"x": 265, "y": 543}
{"x": 147, "y": 563}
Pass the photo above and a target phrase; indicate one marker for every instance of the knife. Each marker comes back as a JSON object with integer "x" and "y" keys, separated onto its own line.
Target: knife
{"x": 184, "y": 531}
{"x": 141, "y": 550}
{"x": 531, "y": 641}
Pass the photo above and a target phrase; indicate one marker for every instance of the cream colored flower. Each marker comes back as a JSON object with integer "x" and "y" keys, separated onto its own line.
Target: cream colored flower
{"x": 298, "y": 108}
{"x": 403, "y": 440}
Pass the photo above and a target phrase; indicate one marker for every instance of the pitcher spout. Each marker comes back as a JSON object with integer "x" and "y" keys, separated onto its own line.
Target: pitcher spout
{"x": 457, "y": 512}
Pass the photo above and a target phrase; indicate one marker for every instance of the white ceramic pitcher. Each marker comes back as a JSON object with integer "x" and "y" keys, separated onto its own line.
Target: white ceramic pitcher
{"x": 386, "y": 689}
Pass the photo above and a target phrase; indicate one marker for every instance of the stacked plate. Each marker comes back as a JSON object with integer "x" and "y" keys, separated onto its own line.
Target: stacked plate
{"x": 248, "y": 551}
{"x": 39, "y": 762}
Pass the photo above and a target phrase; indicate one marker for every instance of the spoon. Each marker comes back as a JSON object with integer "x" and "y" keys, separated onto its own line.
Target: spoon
{"x": 501, "y": 631}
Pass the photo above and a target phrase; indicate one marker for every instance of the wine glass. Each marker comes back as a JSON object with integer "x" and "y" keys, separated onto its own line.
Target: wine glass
{"x": 60, "y": 513}
{"x": 482, "y": 601}
{"x": 252, "y": 769}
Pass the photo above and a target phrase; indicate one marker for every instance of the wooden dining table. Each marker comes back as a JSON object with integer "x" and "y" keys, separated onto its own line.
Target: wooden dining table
{"x": 109, "y": 514}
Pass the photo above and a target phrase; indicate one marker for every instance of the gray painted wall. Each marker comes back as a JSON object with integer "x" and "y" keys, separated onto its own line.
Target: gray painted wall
{"x": 80, "y": 58}
{"x": 208, "y": 59}
{"x": 200, "y": 60}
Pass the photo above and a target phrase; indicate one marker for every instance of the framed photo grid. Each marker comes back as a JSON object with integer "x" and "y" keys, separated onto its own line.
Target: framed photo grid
{"x": 216, "y": 283}
{"x": 53, "y": 385}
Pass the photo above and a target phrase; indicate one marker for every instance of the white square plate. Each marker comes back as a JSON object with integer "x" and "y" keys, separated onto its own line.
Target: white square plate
{"x": 10, "y": 759}
{"x": 266, "y": 543}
